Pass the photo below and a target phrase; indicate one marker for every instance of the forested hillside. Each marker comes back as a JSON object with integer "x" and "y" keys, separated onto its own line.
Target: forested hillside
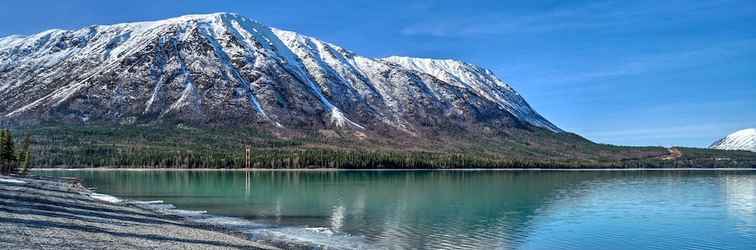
{"x": 183, "y": 146}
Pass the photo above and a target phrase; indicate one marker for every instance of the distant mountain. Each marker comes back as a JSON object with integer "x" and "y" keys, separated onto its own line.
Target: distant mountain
{"x": 227, "y": 69}
{"x": 741, "y": 140}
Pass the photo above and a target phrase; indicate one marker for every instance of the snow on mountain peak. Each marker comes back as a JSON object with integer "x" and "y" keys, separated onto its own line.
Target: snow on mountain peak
{"x": 741, "y": 140}
{"x": 449, "y": 70}
{"x": 480, "y": 80}
{"x": 211, "y": 17}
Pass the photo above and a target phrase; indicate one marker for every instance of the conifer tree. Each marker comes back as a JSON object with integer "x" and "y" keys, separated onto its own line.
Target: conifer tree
{"x": 24, "y": 147}
{"x": 26, "y": 163}
{"x": 25, "y": 155}
{"x": 4, "y": 164}
{"x": 6, "y": 147}
{"x": 7, "y": 155}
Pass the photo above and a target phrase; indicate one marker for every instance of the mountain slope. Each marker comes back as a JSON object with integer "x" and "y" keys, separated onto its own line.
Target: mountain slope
{"x": 741, "y": 140}
{"x": 226, "y": 69}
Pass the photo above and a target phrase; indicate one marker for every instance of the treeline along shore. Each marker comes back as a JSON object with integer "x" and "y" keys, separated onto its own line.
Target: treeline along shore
{"x": 188, "y": 147}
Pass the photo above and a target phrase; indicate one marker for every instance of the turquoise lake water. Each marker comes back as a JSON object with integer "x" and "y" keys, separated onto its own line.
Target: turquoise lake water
{"x": 466, "y": 209}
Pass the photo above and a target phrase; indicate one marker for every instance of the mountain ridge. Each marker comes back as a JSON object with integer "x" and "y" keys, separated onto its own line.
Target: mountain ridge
{"x": 334, "y": 79}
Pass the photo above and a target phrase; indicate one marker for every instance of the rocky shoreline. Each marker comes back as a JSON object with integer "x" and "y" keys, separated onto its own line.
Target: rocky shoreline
{"x": 47, "y": 213}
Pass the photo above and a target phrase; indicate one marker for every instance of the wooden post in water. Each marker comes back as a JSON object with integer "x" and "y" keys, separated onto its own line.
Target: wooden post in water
{"x": 247, "y": 166}
{"x": 247, "y": 156}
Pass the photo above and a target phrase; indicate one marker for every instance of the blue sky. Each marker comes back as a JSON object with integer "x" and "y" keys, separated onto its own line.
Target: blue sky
{"x": 619, "y": 72}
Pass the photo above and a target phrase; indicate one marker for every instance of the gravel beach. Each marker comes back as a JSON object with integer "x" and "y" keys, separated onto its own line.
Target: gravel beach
{"x": 43, "y": 213}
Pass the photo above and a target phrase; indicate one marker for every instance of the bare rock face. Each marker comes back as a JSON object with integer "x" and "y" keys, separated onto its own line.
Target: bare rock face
{"x": 226, "y": 69}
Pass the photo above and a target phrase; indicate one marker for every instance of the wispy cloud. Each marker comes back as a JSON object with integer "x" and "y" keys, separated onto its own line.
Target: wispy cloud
{"x": 580, "y": 78}
{"x": 700, "y": 132}
{"x": 607, "y": 15}
{"x": 674, "y": 60}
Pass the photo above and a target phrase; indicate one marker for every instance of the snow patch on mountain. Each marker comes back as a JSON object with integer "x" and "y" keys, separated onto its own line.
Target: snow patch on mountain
{"x": 741, "y": 140}
{"x": 479, "y": 80}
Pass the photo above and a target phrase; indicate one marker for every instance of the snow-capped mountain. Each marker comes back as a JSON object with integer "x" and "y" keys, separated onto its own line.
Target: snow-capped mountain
{"x": 225, "y": 68}
{"x": 741, "y": 140}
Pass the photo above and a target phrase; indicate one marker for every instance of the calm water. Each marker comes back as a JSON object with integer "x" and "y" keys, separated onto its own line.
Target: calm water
{"x": 468, "y": 209}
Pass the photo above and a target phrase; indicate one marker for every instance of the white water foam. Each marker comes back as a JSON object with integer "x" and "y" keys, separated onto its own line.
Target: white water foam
{"x": 146, "y": 202}
{"x": 312, "y": 237}
{"x": 9, "y": 180}
{"x": 309, "y": 237}
{"x": 105, "y": 198}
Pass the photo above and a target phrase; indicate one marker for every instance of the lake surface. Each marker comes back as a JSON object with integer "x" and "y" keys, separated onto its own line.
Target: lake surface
{"x": 466, "y": 209}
